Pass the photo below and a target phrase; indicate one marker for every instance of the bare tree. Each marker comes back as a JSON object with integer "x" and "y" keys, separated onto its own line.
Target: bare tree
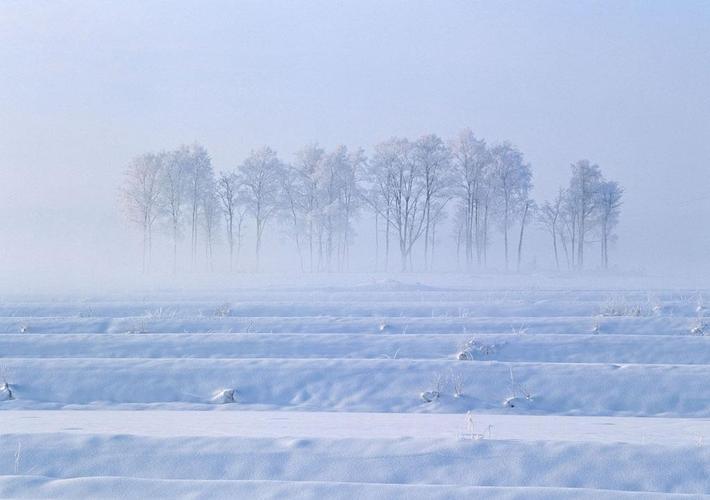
{"x": 407, "y": 190}
{"x": 328, "y": 191}
{"x": 583, "y": 193}
{"x": 526, "y": 214}
{"x": 173, "y": 186}
{"x": 513, "y": 178}
{"x": 348, "y": 176}
{"x": 260, "y": 175}
{"x": 471, "y": 162}
{"x": 141, "y": 198}
{"x": 609, "y": 204}
{"x": 293, "y": 188}
{"x": 549, "y": 217}
{"x": 433, "y": 162}
{"x": 378, "y": 195}
{"x": 199, "y": 178}
{"x": 307, "y": 166}
{"x": 231, "y": 203}
{"x": 209, "y": 206}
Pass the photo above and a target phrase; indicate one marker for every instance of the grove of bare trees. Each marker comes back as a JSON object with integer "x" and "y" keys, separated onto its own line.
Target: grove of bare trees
{"x": 414, "y": 193}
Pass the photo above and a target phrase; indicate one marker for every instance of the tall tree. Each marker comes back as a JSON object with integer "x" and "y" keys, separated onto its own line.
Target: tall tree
{"x": 260, "y": 175}
{"x": 513, "y": 179}
{"x": 293, "y": 188}
{"x": 471, "y": 162}
{"x": 407, "y": 191}
{"x": 173, "y": 189}
{"x": 348, "y": 176}
{"x": 583, "y": 192}
{"x": 307, "y": 166}
{"x": 228, "y": 193}
{"x": 200, "y": 178}
{"x": 527, "y": 212}
{"x": 549, "y": 218}
{"x": 141, "y": 198}
{"x": 433, "y": 162}
{"x": 210, "y": 209}
{"x": 609, "y": 206}
{"x": 378, "y": 194}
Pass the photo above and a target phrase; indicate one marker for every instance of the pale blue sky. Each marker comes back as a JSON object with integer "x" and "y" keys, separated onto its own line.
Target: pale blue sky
{"x": 84, "y": 86}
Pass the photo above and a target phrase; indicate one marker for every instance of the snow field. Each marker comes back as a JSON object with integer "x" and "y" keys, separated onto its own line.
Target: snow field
{"x": 585, "y": 374}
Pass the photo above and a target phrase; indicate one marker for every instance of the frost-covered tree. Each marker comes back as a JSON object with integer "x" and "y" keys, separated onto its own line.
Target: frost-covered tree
{"x": 527, "y": 213}
{"x": 377, "y": 193}
{"x": 432, "y": 159}
{"x": 322, "y": 190}
{"x": 407, "y": 190}
{"x": 141, "y": 198}
{"x": 173, "y": 192}
{"x": 231, "y": 200}
{"x": 200, "y": 179}
{"x": 512, "y": 180}
{"x": 348, "y": 173}
{"x": 260, "y": 175}
{"x": 549, "y": 217}
{"x": 609, "y": 197}
{"x": 471, "y": 161}
{"x": 328, "y": 184}
{"x": 210, "y": 211}
{"x": 293, "y": 189}
{"x": 306, "y": 191}
{"x": 583, "y": 199}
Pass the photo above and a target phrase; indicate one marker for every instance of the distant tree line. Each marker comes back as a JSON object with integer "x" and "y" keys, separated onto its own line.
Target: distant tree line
{"x": 406, "y": 189}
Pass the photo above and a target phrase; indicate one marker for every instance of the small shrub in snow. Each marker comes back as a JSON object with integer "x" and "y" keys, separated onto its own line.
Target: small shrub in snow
{"x": 137, "y": 327}
{"x": 471, "y": 428}
{"x": 697, "y": 328}
{"x": 700, "y": 307}
{"x": 429, "y": 396}
{"x": 519, "y": 394}
{"x": 618, "y": 307}
{"x": 5, "y": 389}
{"x": 473, "y": 349}
{"x": 394, "y": 356}
{"x": 433, "y": 395}
{"x": 456, "y": 384}
{"x": 520, "y": 329}
{"x": 223, "y": 310}
{"x": 224, "y": 396}
{"x": 596, "y": 329}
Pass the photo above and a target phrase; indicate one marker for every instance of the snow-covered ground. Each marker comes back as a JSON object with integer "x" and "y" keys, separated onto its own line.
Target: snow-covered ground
{"x": 387, "y": 389}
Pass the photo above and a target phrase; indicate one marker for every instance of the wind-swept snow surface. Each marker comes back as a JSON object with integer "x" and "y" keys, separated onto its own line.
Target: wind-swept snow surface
{"x": 316, "y": 392}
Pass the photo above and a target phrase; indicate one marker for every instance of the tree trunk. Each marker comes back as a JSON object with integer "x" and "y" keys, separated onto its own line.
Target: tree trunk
{"x": 426, "y": 238}
{"x": 522, "y": 230}
{"x": 554, "y": 246}
{"x": 387, "y": 241}
{"x": 377, "y": 242}
{"x": 505, "y": 233}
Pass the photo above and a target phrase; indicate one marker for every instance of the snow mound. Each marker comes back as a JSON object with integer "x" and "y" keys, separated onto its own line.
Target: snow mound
{"x": 224, "y": 396}
{"x": 429, "y": 396}
{"x": 6, "y": 392}
{"x": 517, "y": 402}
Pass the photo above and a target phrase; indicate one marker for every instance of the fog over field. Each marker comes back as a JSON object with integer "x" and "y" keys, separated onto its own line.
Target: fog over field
{"x": 358, "y": 249}
{"x": 85, "y": 87}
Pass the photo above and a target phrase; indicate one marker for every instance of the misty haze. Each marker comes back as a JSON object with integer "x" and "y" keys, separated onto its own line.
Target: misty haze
{"x": 354, "y": 249}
